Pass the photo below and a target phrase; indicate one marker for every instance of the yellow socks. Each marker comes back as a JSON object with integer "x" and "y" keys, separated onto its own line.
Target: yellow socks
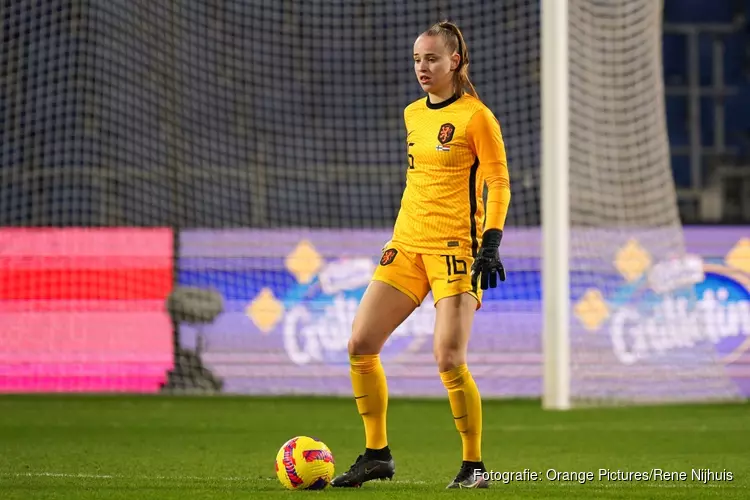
{"x": 371, "y": 394}
{"x": 466, "y": 406}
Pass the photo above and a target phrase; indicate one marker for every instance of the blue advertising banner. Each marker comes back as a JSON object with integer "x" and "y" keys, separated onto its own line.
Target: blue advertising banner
{"x": 290, "y": 297}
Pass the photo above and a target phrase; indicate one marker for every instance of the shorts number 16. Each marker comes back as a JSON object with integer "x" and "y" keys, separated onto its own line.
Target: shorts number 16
{"x": 458, "y": 265}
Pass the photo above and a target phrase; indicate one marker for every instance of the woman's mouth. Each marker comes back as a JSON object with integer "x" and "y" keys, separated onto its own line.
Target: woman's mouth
{"x": 424, "y": 79}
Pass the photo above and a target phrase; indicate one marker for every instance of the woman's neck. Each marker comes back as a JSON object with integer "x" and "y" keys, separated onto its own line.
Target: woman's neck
{"x": 438, "y": 97}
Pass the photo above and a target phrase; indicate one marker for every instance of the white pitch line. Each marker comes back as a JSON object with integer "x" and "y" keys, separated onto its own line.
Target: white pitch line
{"x": 158, "y": 478}
{"x": 563, "y": 484}
{"x": 58, "y": 474}
{"x": 117, "y": 476}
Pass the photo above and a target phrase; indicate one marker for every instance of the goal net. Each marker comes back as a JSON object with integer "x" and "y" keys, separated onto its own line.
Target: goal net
{"x": 637, "y": 329}
{"x": 194, "y": 195}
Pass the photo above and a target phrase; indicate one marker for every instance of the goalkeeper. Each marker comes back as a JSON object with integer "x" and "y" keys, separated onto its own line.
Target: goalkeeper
{"x": 444, "y": 242}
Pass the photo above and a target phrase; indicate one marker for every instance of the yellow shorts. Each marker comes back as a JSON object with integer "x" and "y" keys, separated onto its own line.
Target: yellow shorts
{"x": 416, "y": 274}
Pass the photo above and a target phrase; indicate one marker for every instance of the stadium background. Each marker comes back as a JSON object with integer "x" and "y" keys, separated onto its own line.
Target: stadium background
{"x": 247, "y": 147}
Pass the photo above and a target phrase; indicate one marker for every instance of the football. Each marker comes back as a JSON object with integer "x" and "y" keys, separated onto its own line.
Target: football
{"x": 304, "y": 463}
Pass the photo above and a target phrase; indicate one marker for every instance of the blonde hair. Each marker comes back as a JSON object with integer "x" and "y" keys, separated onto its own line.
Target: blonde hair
{"x": 454, "y": 40}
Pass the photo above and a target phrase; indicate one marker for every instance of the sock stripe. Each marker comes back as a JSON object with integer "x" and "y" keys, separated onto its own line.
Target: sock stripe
{"x": 364, "y": 364}
{"x": 453, "y": 379}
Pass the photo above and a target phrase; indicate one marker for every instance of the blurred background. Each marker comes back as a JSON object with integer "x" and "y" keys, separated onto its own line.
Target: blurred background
{"x": 194, "y": 194}
{"x": 705, "y": 58}
{"x": 263, "y": 111}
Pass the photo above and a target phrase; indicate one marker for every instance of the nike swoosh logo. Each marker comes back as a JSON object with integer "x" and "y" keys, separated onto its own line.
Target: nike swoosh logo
{"x": 360, "y": 397}
{"x": 453, "y": 281}
{"x": 469, "y": 486}
{"x": 459, "y": 418}
{"x": 370, "y": 471}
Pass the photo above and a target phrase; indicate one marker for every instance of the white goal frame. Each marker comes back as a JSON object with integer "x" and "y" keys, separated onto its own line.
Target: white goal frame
{"x": 555, "y": 217}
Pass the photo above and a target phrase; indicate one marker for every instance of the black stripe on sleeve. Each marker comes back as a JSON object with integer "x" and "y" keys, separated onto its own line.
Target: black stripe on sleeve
{"x": 473, "y": 206}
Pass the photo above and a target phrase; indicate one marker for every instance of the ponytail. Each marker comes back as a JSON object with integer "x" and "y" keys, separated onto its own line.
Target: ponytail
{"x": 454, "y": 39}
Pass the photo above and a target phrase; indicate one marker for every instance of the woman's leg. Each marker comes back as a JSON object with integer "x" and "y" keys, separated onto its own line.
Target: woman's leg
{"x": 455, "y": 316}
{"x": 382, "y": 309}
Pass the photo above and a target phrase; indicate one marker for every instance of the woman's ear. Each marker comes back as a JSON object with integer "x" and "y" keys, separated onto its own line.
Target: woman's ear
{"x": 455, "y": 61}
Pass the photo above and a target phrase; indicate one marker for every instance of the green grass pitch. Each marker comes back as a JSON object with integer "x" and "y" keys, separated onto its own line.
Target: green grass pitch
{"x": 129, "y": 447}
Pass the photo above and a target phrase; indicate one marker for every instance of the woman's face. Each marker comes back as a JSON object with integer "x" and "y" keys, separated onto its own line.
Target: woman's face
{"x": 434, "y": 64}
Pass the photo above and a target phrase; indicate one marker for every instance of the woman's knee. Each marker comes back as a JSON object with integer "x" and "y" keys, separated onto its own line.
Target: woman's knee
{"x": 362, "y": 343}
{"x": 449, "y": 357}
{"x": 381, "y": 310}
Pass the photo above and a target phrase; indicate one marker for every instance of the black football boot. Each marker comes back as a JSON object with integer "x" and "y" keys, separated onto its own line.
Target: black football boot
{"x": 365, "y": 469}
{"x": 470, "y": 476}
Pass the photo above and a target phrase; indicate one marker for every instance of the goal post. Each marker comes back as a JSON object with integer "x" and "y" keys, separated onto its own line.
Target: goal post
{"x": 554, "y": 204}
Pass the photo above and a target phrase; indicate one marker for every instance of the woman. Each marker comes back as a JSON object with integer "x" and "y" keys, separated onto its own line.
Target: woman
{"x": 454, "y": 147}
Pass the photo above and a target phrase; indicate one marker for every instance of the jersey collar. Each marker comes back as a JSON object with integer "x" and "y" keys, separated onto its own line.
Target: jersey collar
{"x": 441, "y": 105}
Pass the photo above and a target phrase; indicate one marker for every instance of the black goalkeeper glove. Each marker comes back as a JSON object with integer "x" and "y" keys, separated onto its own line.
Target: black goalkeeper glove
{"x": 487, "y": 265}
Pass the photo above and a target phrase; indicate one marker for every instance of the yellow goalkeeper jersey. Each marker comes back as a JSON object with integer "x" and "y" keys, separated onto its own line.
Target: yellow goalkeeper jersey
{"x": 453, "y": 148}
